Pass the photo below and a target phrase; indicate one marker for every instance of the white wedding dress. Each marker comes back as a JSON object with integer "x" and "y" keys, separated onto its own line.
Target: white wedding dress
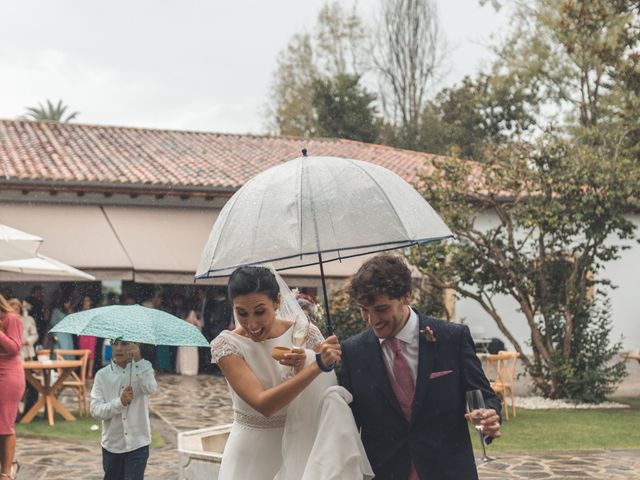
{"x": 314, "y": 438}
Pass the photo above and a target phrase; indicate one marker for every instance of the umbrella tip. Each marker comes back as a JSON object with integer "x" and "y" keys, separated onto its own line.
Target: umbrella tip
{"x": 304, "y": 152}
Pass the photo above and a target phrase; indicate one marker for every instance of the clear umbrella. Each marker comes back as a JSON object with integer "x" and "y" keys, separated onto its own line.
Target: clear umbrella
{"x": 314, "y": 210}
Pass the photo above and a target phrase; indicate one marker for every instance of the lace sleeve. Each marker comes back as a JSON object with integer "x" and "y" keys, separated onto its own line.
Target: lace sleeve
{"x": 222, "y": 346}
{"x": 315, "y": 337}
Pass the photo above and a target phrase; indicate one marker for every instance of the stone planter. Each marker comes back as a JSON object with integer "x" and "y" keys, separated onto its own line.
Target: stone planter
{"x": 200, "y": 452}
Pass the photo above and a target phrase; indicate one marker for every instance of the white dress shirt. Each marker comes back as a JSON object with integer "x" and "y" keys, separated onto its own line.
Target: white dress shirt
{"x": 124, "y": 429}
{"x": 410, "y": 344}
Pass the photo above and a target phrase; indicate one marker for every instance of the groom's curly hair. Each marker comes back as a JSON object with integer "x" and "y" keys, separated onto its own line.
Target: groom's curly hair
{"x": 384, "y": 274}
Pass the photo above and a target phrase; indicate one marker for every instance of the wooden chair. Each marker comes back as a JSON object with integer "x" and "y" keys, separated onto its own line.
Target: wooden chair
{"x": 492, "y": 365}
{"x": 78, "y": 378}
{"x": 507, "y": 364}
{"x": 43, "y": 351}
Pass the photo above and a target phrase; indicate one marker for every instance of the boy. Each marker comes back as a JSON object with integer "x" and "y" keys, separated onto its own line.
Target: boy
{"x": 120, "y": 398}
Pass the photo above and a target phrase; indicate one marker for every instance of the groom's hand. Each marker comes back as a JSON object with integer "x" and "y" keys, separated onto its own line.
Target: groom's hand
{"x": 330, "y": 351}
{"x": 488, "y": 418}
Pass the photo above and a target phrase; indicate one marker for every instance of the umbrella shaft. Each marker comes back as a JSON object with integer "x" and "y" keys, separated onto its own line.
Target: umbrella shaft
{"x": 326, "y": 297}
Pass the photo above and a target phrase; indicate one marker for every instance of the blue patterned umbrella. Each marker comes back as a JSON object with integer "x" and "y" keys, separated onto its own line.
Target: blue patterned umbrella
{"x": 132, "y": 323}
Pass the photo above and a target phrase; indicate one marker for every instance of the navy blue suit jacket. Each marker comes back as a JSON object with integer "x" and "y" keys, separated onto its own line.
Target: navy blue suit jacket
{"x": 436, "y": 439}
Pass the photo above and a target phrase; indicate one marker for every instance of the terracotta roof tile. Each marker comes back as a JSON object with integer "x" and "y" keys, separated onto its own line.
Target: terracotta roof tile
{"x": 133, "y": 156}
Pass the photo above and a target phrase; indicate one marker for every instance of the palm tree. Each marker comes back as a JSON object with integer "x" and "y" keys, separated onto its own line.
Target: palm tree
{"x": 50, "y": 113}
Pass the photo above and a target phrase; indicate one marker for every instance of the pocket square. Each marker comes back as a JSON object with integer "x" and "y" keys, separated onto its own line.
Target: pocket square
{"x": 439, "y": 374}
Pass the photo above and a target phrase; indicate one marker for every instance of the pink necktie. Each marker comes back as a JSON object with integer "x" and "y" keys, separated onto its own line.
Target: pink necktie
{"x": 403, "y": 386}
{"x": 401, "y": 377}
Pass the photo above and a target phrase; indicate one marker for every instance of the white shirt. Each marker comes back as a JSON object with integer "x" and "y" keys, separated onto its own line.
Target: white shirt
{"x": 124, "y": 429}
{"x": 410, "y": 344}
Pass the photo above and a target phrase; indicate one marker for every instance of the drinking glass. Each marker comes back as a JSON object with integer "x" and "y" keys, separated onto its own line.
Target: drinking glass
{"x": 475, "y": 401}
{"x": 300, "y": 333}
{"x": 299, "y": 337}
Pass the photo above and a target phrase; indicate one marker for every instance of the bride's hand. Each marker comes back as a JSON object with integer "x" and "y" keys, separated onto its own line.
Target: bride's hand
{"x": 330, "y": 351}
{"x": 295, "y": 359}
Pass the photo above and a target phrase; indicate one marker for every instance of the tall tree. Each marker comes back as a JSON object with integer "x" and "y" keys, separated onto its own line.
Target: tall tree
{"x": 343, "y": 109}
{"x": 574, "y": 51}
{"x": 408, "y": 53}
{"x": 490, "y": 108}
{"x": 335, "y": 46}
{"x": 290, "y": 109}
{"x": 51, "y": 113}
{"x": 341, "y": 41}
{"x": 559, "y": 206}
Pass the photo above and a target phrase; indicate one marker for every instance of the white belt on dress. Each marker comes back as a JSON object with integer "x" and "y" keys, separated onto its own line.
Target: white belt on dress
{"x": 259, "y": 422}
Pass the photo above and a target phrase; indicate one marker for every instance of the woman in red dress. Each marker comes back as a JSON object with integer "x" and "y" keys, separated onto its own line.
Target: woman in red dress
{"x": 86, "y": 342}
{"x": 12, "y": 381}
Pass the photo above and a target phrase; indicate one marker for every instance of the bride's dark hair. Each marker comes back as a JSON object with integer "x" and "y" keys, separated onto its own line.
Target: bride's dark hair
{"x": 245, "y": 280}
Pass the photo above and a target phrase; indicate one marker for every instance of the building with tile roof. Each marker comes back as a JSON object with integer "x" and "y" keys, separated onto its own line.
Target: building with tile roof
{"x": 94, "y": 157}
{"x": 124, "y": 190}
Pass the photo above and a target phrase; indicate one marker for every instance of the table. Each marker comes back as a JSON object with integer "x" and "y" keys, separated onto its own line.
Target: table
{"x": 48, "y": 392}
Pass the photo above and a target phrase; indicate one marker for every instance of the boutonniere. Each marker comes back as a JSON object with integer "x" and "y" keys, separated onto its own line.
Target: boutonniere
{"x": 428, "y": 335}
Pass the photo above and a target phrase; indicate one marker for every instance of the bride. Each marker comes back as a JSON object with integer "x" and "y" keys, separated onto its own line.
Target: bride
{"x": 291, "y": 420}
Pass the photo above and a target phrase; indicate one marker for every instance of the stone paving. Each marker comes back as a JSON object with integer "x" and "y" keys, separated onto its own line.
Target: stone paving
{"x": 600, "y": 464}
{"x": 185, "y": 403}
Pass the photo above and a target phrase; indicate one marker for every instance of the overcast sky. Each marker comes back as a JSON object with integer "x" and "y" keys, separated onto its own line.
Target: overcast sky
{"x": 190, "y": 64}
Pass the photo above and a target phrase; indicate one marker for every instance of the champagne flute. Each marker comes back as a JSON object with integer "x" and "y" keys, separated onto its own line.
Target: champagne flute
{"x": 299, "y": 338}
{"x": 475, "y": 401}
{"x": 300, "y": 333}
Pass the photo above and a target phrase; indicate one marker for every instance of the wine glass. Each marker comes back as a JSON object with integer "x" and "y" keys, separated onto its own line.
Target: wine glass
{"x": 299, "y": 338}
{"x": 300, "y": 333}
{"x": 475, "y": 401}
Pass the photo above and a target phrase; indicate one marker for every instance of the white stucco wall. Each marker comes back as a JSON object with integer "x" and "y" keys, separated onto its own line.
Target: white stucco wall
{"x": 625, "y": 301}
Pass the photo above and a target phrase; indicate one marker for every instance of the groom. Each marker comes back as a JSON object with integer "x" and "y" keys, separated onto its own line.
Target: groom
{"x": 408, "y": 375}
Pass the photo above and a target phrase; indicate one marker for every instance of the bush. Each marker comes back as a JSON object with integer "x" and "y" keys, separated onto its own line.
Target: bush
{"x": 590, "y": 372}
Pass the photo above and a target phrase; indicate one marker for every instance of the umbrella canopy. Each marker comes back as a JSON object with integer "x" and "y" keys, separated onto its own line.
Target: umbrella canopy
{"x": 318, "y": 209}
{"x": 339, "y": 207}
{"x": 16, "y": 244}
{"x": 42, "y": 265}
{"x": 132, "y": 323}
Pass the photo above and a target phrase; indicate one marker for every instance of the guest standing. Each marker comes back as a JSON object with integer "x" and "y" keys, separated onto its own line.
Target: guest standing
{"x": 29, "y": 328}
{"x": 36, "y": 300}
{"x": 27, "y": 352}
{"x": 87, "y": 342}
{"x": 12, "y": 381}
{"x": 187, "y": 359}
{"x": 64, "y": 341}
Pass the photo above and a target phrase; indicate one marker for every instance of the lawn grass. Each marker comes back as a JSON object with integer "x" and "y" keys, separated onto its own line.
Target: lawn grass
{"x": 80, "y": 429}
{"x": 563, "y": 429}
